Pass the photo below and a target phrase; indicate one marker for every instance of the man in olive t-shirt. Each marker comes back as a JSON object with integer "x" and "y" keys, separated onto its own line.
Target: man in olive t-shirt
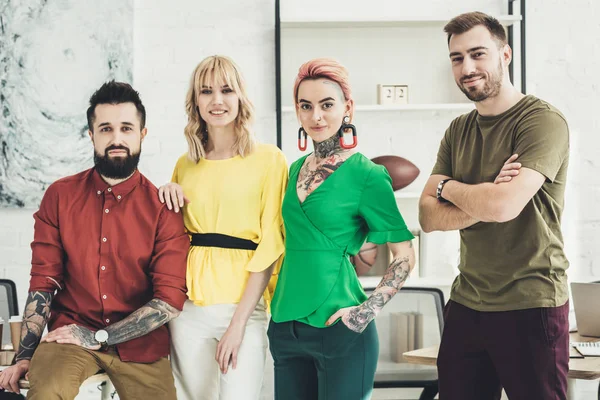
{"x": 500, "y": 179}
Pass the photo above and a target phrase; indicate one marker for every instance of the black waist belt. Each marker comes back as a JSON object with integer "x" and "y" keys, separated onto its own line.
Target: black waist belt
{"x": 225, "y": 241}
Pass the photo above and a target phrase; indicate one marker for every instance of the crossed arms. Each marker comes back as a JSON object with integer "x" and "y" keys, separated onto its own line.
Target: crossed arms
{"x": 500, "y": 201}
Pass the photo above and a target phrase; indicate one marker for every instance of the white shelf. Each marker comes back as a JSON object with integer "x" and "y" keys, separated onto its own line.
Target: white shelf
{"x": 404, "y": 107}
{"x": 506, "y": 20}
{"x": 437, "y": 282}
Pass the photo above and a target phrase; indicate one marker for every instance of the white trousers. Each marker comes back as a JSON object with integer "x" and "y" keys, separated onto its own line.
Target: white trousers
{"x": 195, "y": 334}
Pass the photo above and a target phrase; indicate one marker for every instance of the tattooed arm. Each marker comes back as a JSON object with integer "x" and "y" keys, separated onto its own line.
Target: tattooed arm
{"x": 144, "y": 320}
{"x": 357, "y": 318}
{"x": 152, "y": 316}
{"x": 35, "y": 317}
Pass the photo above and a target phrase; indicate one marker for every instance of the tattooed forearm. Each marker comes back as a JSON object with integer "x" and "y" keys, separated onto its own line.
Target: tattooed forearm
{"x": 395, "y": 276}
{"x": 35, "y": 317}
{"x": 153, "y": 315}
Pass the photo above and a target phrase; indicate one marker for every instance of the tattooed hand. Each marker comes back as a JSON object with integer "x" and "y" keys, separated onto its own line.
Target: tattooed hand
{"x": 73, "y": 334}
{"x": 355, "y": 318}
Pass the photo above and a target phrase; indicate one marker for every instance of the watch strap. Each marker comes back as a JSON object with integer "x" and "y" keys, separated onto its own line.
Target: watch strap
{"x": 440, "y": 187}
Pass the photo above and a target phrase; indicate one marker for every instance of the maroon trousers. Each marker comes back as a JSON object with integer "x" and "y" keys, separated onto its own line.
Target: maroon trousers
{"x": 526, "y": 352}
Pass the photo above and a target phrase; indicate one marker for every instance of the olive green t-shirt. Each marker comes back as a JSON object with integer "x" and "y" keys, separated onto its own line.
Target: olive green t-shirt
{"x": 517, "y": 264}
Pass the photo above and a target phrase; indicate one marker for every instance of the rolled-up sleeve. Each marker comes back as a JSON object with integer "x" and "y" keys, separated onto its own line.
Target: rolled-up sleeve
{"x": 47, "y": 260}
{"x": 169, "y": 259}
{"x": 271, "y": 247}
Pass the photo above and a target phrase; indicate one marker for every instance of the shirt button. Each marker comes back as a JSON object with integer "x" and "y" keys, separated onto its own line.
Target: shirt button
{"x": 106, "y": 211}
{"x": 104, "y": 297}
{"x": 119, "y": 197}
{"x": 99, "y": 192}
{"x": 103, "y": 268}
{"x": 107, "y": 320}
{"x": 104, "y": 239}
{"x": 109, "y": 189}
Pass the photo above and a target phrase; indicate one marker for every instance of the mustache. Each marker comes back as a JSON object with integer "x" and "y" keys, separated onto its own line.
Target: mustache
{"x": 115, "y": 147}
{"x": 468, "y": 77}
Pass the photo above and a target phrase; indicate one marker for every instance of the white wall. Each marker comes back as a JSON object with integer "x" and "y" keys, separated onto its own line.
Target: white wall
{"x": 171, "y": 38}
{"x": 563, "y": 65}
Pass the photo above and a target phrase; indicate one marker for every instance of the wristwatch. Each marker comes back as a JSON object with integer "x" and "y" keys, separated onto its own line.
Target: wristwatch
{"x": 440, "y": 187}
{"x": 101, "y": 337}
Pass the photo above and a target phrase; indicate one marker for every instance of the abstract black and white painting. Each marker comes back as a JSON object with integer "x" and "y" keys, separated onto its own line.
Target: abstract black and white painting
{"x": 53, "y": 56}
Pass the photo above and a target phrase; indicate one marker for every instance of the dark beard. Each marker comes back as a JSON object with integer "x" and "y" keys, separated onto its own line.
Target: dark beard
{"x": 328, "y": 147}
{"x": 490, "y": 89}
{"x": 116, "y": 167}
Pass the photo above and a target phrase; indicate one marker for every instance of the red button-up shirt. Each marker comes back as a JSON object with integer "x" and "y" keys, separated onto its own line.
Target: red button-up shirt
{"x": 109, "y": 251}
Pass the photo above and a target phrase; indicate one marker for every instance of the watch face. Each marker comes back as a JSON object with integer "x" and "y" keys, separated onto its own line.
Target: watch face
{"x": 101, "y": 336}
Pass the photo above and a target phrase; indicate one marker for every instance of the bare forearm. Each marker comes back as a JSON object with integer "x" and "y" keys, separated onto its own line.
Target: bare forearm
{"x": 153, "y": 315}
{"x": 480, "y": 201}
{"x": 255, "y": 287}
{"x": 437, "y": 216}
{"x": 35, "y": 318}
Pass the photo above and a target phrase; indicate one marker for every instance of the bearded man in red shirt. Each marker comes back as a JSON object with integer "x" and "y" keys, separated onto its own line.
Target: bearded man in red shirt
{"x": 108, "y": 269}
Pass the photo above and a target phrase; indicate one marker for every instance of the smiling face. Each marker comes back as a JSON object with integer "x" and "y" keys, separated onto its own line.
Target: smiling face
{"x": 218, "y": 104}
{"x": 479, "y": 63}
{"x": 321, "y": 108}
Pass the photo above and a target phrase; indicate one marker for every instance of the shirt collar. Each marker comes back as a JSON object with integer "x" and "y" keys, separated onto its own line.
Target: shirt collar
{"x": 120, "y": 190}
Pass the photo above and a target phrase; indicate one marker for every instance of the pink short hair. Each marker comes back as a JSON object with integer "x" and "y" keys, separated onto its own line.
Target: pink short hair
{"x": 324, "y": 68}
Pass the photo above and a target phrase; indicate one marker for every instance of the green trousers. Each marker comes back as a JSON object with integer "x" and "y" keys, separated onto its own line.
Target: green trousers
{"x": 333, "y": 363}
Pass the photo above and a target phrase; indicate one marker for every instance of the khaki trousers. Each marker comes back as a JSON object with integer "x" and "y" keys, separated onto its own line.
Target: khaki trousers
{"x": 57, "y": 371}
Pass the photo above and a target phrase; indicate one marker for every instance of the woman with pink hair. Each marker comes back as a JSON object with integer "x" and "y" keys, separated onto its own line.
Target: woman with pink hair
{"x": 322, "y": 335}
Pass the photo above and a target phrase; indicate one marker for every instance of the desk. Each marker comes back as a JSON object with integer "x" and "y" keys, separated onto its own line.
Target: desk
{"x": 579, "y": 368}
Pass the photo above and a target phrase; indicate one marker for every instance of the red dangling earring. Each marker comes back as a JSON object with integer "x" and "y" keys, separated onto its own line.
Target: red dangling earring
{"x": 345, "y": 126}
{"x": 302, "y": 135}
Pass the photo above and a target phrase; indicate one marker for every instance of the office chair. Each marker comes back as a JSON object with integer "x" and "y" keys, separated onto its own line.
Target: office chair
{"x": 428, "y": 304}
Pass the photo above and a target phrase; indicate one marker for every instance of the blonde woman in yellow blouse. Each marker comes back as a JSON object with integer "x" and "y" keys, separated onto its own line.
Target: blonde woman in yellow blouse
{"x": 229, "y": 189}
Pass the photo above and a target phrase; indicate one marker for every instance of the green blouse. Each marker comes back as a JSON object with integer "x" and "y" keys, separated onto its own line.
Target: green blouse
{"x": 355, "y": 203}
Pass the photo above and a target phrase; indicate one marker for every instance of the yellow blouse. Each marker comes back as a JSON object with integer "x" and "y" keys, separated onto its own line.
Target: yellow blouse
{"x": 239, "y": 197}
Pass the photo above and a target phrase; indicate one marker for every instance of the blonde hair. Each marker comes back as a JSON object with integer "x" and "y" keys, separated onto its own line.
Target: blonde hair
{"x": 218, "y": 70}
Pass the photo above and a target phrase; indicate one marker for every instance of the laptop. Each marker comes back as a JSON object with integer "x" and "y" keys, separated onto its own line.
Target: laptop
{"x": 586, "y": 298}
